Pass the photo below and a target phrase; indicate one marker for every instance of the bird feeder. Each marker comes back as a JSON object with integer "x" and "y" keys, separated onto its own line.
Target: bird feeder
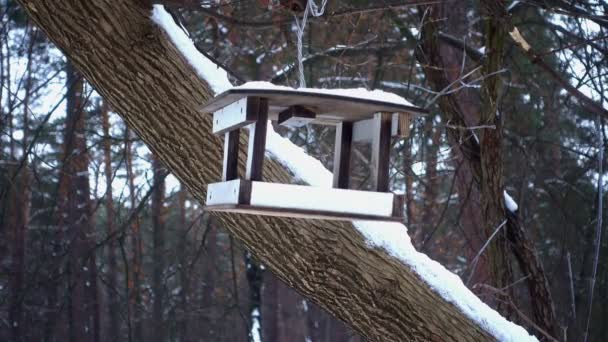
{"x": 356, "y": 118}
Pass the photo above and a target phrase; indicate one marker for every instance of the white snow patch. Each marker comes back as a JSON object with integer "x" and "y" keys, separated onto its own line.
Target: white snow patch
{"x": 392, "y": 237}
{"x": 207, "y": 70}
{"x": 510, "y": 202}
{"x": 255, "y": 326}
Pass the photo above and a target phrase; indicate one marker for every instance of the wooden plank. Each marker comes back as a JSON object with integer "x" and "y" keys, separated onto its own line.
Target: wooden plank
{"x": 231, "y": 155}
{"x": 296, "y": 116}
{"x": 299, "y": 213}
{"x": 235, "y": 115}
{"x": 257, "y": 140}
{"x": 398, "y": 203}
{"x": 381, "y": 148}
{"x": 401, "y": 124}
{"x": 328, "y": 107}
{"x": 301, "y": 197}
{"x": 342, "y": 155}
{"x": 321, "y": 198}
{"x": 232, "y": 192}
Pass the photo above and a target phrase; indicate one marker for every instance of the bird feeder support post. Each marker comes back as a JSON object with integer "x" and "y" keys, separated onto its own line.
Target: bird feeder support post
{"x": 231, "y": 155}
{"x": 257, "y": 140}
{"x": 342, "y": 155}
{"x": 381, "y": 148}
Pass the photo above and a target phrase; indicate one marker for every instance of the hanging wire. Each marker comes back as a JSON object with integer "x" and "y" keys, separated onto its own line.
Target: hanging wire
{"x": 316, "y": 11}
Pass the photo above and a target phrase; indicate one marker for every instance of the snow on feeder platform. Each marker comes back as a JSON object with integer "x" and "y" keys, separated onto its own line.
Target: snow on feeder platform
{"x": 358, "y": 115}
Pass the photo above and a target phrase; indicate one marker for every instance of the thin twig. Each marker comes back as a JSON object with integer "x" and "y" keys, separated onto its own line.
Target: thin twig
{"x": 508, "y": 300}
{"x": 471, "y": 127}
{"x": 598, "y": 231}
{"x": 485, "y": 245}
{"x": 573, "y": 303}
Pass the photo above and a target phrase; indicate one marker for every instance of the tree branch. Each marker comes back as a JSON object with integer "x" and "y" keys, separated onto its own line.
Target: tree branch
{"x": 195, "y": 5}
{"x": 538, "y": 60}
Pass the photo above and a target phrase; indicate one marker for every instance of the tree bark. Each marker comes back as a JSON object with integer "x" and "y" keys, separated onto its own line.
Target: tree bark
{"x": 431, "y": 184}
{"x": 184, "y": 278}
{"x": 112, "y": 298}
{"x": 255, "y": 281}
{"x": 492, "y": 183}
{"x": 461, "y": 109}
{"x": 158, "y": 257}
{"x": 483, "y": 161}
{"x": 19, "y": 196}
{"x": 136, "y": 271}
{"x": 410, "y": 204}
{"x": 209, "y": 271}
{"x": 284, "y": 317}
{"x": 148, "y": 82}
{"x": 75, "y": 218}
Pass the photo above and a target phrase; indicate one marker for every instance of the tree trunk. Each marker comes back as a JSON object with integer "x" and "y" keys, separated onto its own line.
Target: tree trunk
{"x": 431, "y": 184}
{"x": 492, "y": 184}
{"x": 19, "y": 212}
{"x": 112, "y": 282}
{"x": 158, "y": 261}
{"x": 184, "y": 278}
{"x": 270, "y": 304}
{"x": 16, "y": 223}
{"x": 209, "y": 271}
{"x": 482, "y": 156}
{"x": 158, "y": 94}
{"x": 410, "y": 204}
{"x": 467, "y": 105}
{"x": 75, "y": 218}
{"x": 135, "y": 278}
{"x": 551, "y": 119}
{"x": 292, "y": 324}
{"x": 255, "y": 281}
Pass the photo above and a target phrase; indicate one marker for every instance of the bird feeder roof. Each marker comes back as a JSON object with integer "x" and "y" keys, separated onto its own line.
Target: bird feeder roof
{"x": 328, "y": 104}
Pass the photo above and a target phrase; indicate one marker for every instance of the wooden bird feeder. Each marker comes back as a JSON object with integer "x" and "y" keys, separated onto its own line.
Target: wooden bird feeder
{"x": 355, "y": 118}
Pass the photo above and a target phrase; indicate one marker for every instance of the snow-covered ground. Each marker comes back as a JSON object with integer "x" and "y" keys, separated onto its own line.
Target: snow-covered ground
{"x": 392, "y": 237}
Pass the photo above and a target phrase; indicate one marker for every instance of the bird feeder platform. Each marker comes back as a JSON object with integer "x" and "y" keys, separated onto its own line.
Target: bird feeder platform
{"x": 357, "y": 116}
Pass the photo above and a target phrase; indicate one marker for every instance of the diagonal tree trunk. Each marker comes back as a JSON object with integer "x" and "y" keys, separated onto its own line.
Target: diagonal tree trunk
{"x": 157, "y": 92}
